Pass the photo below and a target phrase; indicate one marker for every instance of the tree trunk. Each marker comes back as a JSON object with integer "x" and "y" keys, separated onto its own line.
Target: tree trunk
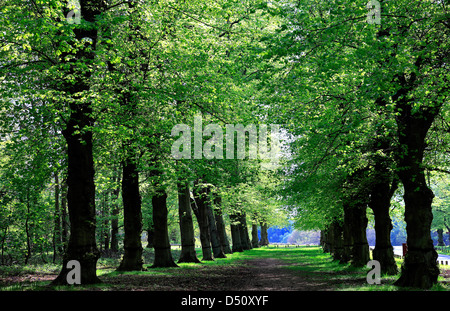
{"x": 247, "y": 234}
{"x": 80, "y": 180}
{"x": 440, "y": 233}
{"x": 80, "y": 198}
{"x": 235, "y": 234}
{"x": 115, "y": 229}
{"x": 360, "y": 248}
{"x": 264, "y": 237}
{"x": 214, "y": 234}
{"x": 161, "y": 242}
{"x": 64, "y": 218}
{"x": 243, "y": 231}
{"x": 330, "y": 236}
{"x": 106, "y": 216}
{"x": 200, "y": 197}
{"x": 57, "y": 249}
{"x": 338, "y": 242}
{"x": 150, "y": 236}
{"x": 255, "y": 240}
{"x": 380, "y": 197}
{"x": 354, "y": 240}
{"x": 324, "y": 240}
{"x": 188, "y": 253}
{"x": 115, "y": 215}
{"x": 419, "y": 268}
{"x": 132, "y": 218}
{"x": 3, "y": 243}
{"x": 347, "y": 234}
{"x": 221, "y": 225}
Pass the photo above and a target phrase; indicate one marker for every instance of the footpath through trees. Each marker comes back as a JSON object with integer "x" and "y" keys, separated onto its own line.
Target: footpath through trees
{"x": 270, "y": 269}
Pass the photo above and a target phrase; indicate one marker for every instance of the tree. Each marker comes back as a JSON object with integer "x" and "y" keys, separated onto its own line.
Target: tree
{"x": 132, "y": 259}
{"x": 188, "y": 253}
{"x": 80, "y": 178}
{"x": 392, "y": 83}
{"x": 218, "y": 214}
{"x": 59, "y": 59}
{"x": 161, "y": 243}
{"x": 441, "y": 218}
{"x": 382, "y": 190}
{"x": 200, "y": 207}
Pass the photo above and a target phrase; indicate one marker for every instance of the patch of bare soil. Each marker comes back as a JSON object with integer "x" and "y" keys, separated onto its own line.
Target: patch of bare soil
{"x": 270, "y": 274}
{"x": 262, "y": 274}
{"x": 204, "y": 278}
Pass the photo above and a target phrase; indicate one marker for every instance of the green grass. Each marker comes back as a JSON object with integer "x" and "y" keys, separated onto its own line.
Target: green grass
{"x": 321, "y": 268}
{"x": 318, "y": 269}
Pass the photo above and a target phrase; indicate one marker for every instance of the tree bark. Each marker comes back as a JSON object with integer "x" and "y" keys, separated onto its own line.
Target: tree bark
{"x": 440, "y": 233}
{"x": 150, "y": 236}
{"x": 115, "y": 229}
{"x": 255, "y": 240}
{"x": 161, "y": 242}
{"x": 243, "y": 231}
{"x": 264, "y": 237}
{"x": 214, "y": 234}
{"x": 106, "y": 216}
{"x": 324, "y": 240}
{"x": 337, "y": 238}
{"x": 57, "y": 243}
{"x": 80, "y": 198}
{"x": 380, "y": 197}
{"x": 347, "y": 234}
{"x": 201, "y": 212}
{"x": 355, "y": 247}
{"x": 64, "y": 218}
{"x": 235, "y": 234}
{"x": 115, "y": 215}
{"x": 188, "y": 253}
{"x": 360, "y": 248}
{"x": 419, "y": 268}
{"x": 132, "y": 218}
{"x": 221, "y": 225}
{"x": 80, "y": 180}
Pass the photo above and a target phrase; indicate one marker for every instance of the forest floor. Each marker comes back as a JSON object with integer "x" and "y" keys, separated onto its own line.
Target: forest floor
{"x": 261, "y": 269}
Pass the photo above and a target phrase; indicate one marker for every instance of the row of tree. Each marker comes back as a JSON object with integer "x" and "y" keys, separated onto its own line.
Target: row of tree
{"x": 366, "y": 103}
{"x": 93, "y": 101}
{"x": 91, "y": 91}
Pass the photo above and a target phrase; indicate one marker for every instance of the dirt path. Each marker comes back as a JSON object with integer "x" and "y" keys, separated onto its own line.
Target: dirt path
{"x": 271, "y": 274}
{"x": 262, "y": 274}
